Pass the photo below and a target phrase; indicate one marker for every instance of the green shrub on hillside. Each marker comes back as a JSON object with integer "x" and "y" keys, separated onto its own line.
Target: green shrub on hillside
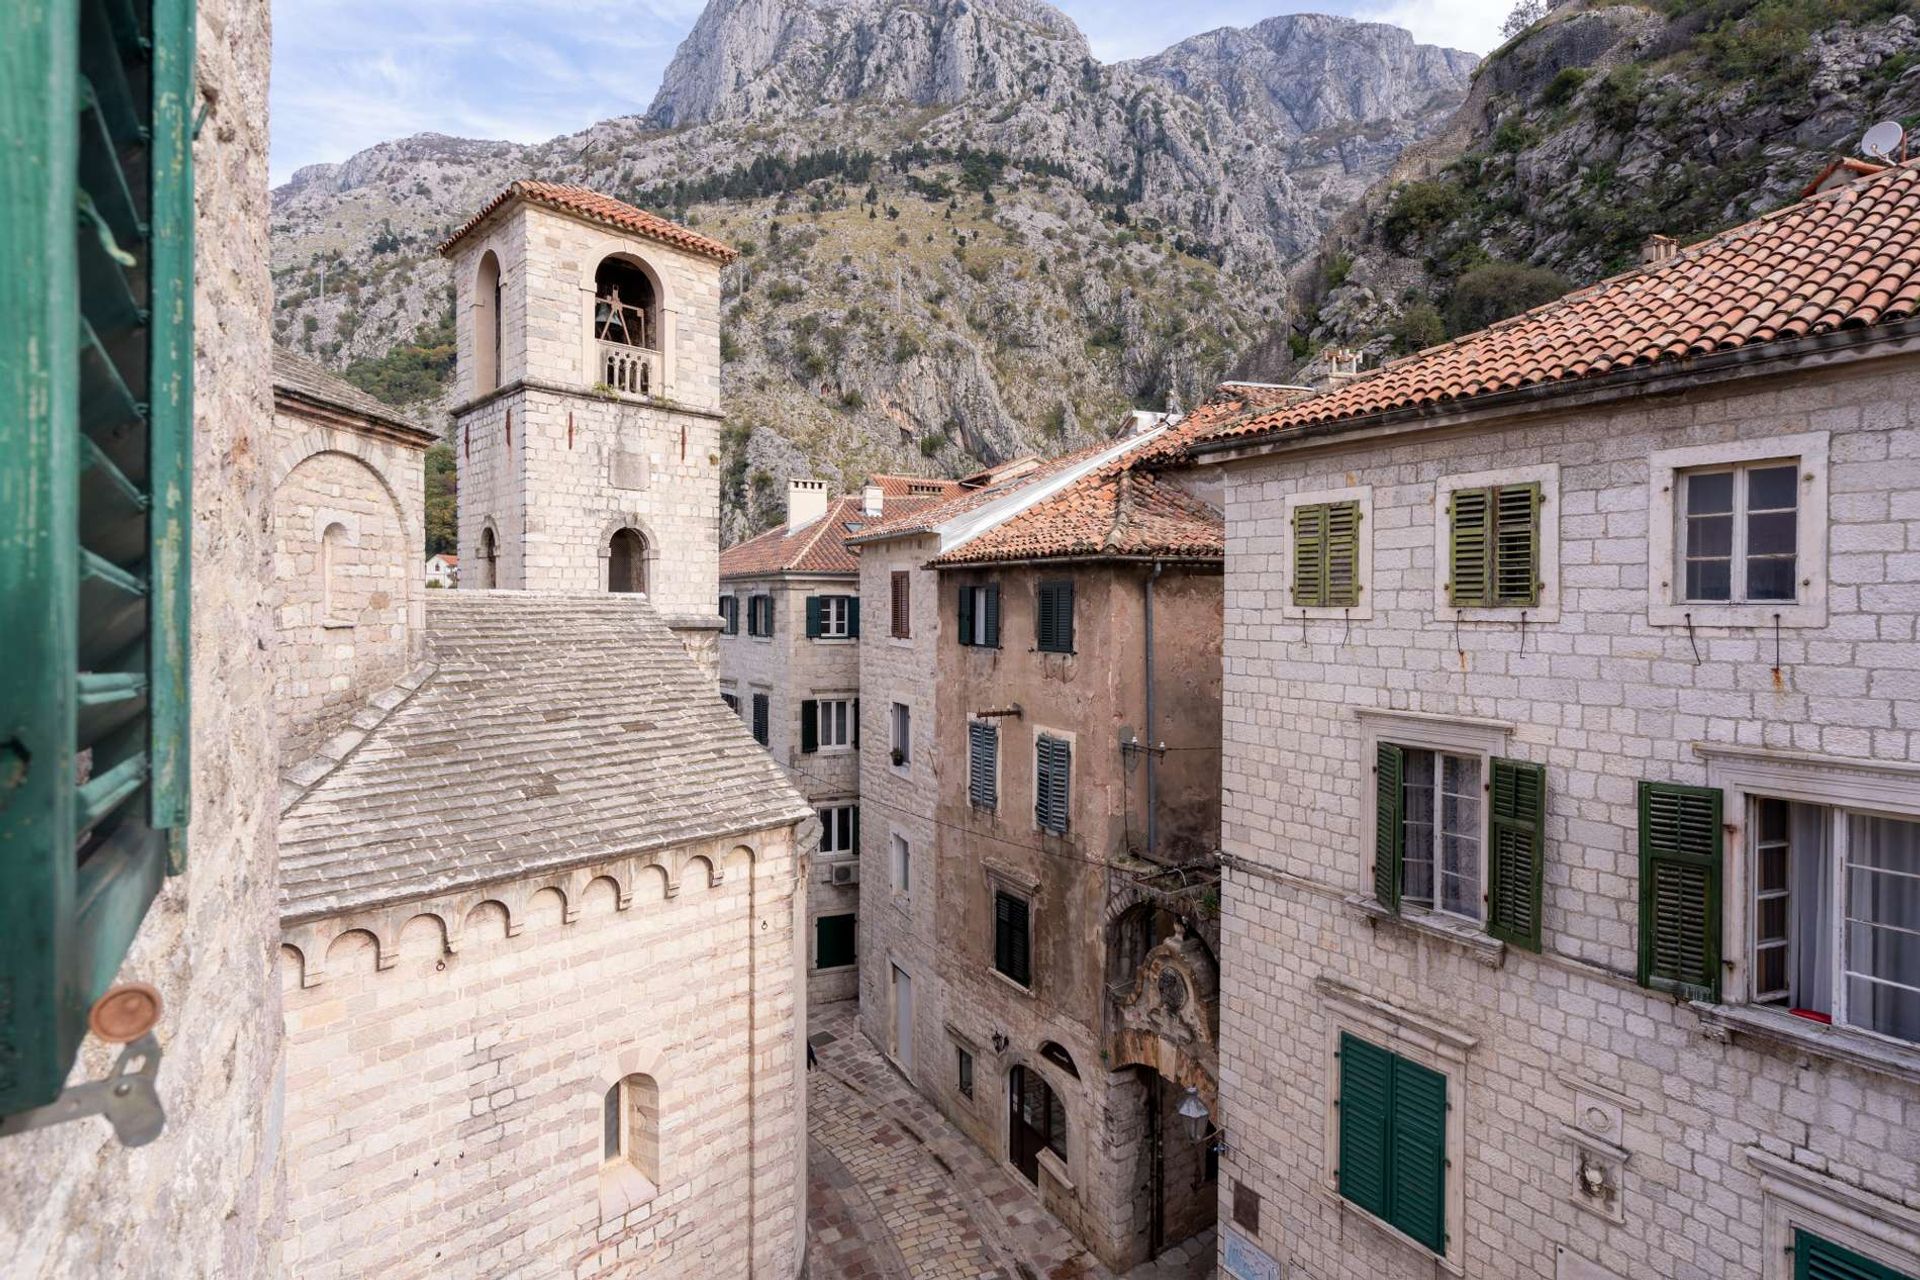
{"x": 411, "y": 372}
{"x": 1420, "y": 207}
{"x": 1497, "y": 290}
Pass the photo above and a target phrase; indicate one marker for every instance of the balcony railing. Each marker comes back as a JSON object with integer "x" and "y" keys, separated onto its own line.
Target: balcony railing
{"x": 633, "y": 371}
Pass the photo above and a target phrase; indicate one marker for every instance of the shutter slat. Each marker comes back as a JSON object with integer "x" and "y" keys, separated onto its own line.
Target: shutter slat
{"x": 1818, "y": 1259}
{"x": 1680, "y": 870}
{"x": 101, "y": 795}
{"x": 1469, "y": 549}
{"x": 966, "y": 615}
{"x": 1389, "y": 766}
{"x": 1516, "y": 552}
{"x": 1418, "y": 1154}
{"x": 853, "y": 617}
{"x": 1516, "y": 821}
{"x": 1310, "y": 556}
{"x": 1342, "y": 540}
{"x": 102, "y": 175}
{"x": 1366, "y": 1085}
{"x": 813, "y": 617}
{"x": 102, "y": 67}
{"x": 992, "y": 602}
{"x": 983, "y": 750}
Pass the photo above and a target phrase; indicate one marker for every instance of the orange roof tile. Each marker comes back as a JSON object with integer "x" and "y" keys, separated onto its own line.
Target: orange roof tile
{"x": 925, "y": 518}
{"x": 1847, "y": 258}
{"x": 583, "y": 202}
{"x": 817, "y": 547}
{"x": 894, "y": 486}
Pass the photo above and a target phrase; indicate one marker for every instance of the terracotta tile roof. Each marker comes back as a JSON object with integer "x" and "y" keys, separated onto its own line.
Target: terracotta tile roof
{"x": 928, "y": 517}
{"x": 582, "y": 202}
{"x": 919, "y": 486}
{"x": 818, "y": 547}
{"x": 1847, "y": 258}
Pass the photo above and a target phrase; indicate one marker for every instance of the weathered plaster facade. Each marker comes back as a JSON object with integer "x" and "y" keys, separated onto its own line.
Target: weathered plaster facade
{"x": 73, "y": 1202}
{"x": 1714, "y": 1128}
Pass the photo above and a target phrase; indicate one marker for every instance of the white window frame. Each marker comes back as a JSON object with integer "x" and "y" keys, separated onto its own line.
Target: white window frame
{"x": 1481, "y": 763}
{"x": 828, "y": 815}
{"x": 899, "y": 717}
{"x": 1547, "y": 476}
{"x": 822, "y": 720}
{"x": 1665, "y": 607}
{"x": 835, "y": 617}
{"x": 1745, "y": 774}
{"x": 1457, "y": 736}
{"x": 1434, "y": 1045}
{"x": 900, "y": 868}
{"x": 1363, "y": 563}
{"x": 1794, "y": 1196}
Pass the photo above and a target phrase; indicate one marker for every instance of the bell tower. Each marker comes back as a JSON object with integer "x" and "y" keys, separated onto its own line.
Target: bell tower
{"x": 587, "y": 429}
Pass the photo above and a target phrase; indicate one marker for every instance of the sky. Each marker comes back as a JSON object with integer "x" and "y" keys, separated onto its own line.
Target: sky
{"x": 350, "y": 73}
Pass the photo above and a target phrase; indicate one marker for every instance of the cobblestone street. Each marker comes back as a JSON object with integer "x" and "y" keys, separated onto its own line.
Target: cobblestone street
{"x": 894, "y": 1192}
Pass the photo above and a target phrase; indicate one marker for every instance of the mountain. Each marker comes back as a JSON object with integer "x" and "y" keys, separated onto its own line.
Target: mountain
{"x": 962, "y": 236}
{"x": 1598, "y": 126}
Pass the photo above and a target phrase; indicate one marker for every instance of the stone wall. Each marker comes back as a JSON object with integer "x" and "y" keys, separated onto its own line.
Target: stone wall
{"x": 789, "y": 668}
{"x": 453, "y": 1107}
{"x": 342, "y": 641}
{"x": 205, "y": 1194}
{"x": 1719, "y": 1134}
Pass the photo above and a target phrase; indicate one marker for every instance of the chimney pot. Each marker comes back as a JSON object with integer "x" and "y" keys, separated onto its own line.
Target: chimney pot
{"x": 873, "y": 500}
{"x": 806, "y": 502}
{"x": 1658, "y": 248}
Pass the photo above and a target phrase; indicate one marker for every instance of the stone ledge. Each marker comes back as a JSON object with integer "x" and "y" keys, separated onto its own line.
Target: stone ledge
{"x": 1784, "y": 1031}
{"x": 1488, "y": 950}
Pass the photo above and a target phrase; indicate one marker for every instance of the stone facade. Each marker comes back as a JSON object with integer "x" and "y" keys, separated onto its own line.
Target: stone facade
{"x": 789, "y": 669}
{"x": 73, "y": 1202}
{"x": 1130, "y": 1182}
{"x": 1706, "y": 1132}
{"x": 552, "y": 461}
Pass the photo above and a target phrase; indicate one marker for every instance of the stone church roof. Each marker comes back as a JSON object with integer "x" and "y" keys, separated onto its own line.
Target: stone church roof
{"x": 298, "y": 378}
{"x": 545, "y": 731}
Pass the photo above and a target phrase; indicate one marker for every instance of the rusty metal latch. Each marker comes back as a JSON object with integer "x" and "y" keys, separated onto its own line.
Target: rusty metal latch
{"x": 128, "y": 1099}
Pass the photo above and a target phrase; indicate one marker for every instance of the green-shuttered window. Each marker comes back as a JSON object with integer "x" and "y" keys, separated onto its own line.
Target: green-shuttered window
{"x": 832, "y": 617}
{"x": 1494, "y": 547}
{"x": 983, "y": 764}
{"x": 1326, "y": 555}
{"x": 1393, "y": 1140}
{"x": 1012, "y": 940}
{"x": 1680, "y": 871}
{"x": 1516, "y": 824}
{"x": 1052, "y": 783}
{"x": 1818, "y": 1259}
{"x": 1053, "y": 617}
{"x": 96, "y": 368}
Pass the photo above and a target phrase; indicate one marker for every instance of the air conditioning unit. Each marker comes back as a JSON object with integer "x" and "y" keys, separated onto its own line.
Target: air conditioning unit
{"x": 846, "y": 873}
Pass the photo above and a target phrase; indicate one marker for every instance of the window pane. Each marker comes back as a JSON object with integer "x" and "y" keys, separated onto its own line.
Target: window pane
{"x": 1770, "y": 974}
{"x": 1770, "y": 533}
{"x": 1709, "y": 535}
{"x": 1416, "y": 851}
{"x": 1709, "y": 580}
{"x": 1773, "y": 488}
{"x": 1883, "y": 926}
{"x": 1711, "y": 493}
{"x": 1460, "y": 836}
{"x": 826, "y": 830}
{"x": 1770, "y": 578}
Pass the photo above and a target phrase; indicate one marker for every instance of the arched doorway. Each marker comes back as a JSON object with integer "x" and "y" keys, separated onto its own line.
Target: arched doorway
{"x": 1036, "y": 1120}
{"x": 489, "y": 558}
{"x": 627, "y": 561}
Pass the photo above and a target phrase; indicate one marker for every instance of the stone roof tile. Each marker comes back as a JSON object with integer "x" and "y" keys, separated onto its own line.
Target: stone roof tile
{"x": 583, "y": 202}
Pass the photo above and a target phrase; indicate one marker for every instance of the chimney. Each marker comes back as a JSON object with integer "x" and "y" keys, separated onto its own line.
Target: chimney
{"x": 873, "y": 500}
{"x": 806, "y": 502}
{"x": 1658, "y": 249}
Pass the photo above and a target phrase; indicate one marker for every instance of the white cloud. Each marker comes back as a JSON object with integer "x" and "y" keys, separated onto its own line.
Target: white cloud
{"x": 1473, "y": 25}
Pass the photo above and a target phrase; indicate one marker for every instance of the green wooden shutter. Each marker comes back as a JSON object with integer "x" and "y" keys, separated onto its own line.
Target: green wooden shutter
{"x": 1516, "y": 545}
{"x": 853, "y": 616}
{"x": 1310, "y": 556}
{"x": 813, "y": 617}
{"x": 1417, "y": 1160}
{"x": 766, "y": 615}
{"x": 1054, "y": 778}
{"x": 983, "y": 750}
{"x": 1470, "y": 548}
{"x": 1342, "y": 575}
{"x": 1012, "y": 944}
{"x": 1044, "y": 608}
{"x": 96, "y": 348}
{"x": 992, "y": 602}
{"x": 1680, "y": 868}
{"x": 1517, "y": 825}
{"x": 855, "y": 726}
{"x": 809, "y": 726}
{"x": 1063, "y": 619}
{"x": 966, "y": 615}
{"x": 855, "y": 846}
{"x": 1389, "y": 766}
{"x": 1817, "y": 1259}
{"x": 760, "y": 718}
{"x": 1366, "y": 1092}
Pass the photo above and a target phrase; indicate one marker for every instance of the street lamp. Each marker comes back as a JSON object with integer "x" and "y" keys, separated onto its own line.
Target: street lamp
{"x": 1195, "y": 1113}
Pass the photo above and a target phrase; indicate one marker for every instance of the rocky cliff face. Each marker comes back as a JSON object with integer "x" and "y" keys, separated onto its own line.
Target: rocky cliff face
{"x": 962, "y": 236}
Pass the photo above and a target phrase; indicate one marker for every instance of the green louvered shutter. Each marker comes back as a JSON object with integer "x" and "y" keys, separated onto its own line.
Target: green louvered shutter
{"x": 1389, "y": 766}
{"x": 1470, "y": 548}
{"x": 809, "y": 726}
{"x": 1053, "y": 783}
{"x": 991, "y": 602}
{"x": 96, "y": 351}
{"x": 1012, "y": 945}
{"x": 1680, "y": 868}
{"x": 760, "y": 718}
{"x": 983, "y": 750}
{"x": 1817, "y": 1259}
{"x": 813, "y": 617}
{"x": 1053, "y": 617}
{"x": 965, "y": 615}
{"x": 1366, "y": 1100}
{"x": 1517, "y": 821}
{"x": 1516, "y": 546}
{"x": 1417, "y": 1160}
{"x": 1342, "y": 576}
{"x": 1310, "y": 556}
{"x": 853, "y": 617}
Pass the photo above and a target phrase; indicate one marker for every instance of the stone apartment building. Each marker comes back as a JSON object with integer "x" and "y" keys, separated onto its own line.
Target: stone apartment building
{"x": 168, "y": 882}
{"x": 790, "y": 666}
{"x": 488, "y": 865}
{"x": 1572, "y": 825}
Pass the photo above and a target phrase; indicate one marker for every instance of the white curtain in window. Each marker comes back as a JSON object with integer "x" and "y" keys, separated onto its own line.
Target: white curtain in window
{"x": 1810, "y": 897}
{"x": 1883, "y": 925}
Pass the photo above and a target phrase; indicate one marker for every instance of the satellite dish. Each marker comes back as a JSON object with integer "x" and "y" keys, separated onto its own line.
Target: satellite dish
{"x": 1883, "y": 140}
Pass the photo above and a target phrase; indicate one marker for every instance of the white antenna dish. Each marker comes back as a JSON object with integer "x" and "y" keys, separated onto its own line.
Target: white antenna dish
{"x": 1883, "y": 140}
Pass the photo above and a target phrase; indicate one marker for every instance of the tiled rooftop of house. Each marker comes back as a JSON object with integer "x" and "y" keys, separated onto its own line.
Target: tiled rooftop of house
{"x": 310, "y": 380}
{"x": 546, "y": 731}
{"x": 1846, "y": 258}
{"x": 817, "y": 547}
{"x": 962, "y": 501}
{"x": 913, "y": 486}
{"x": 582, "y": 202}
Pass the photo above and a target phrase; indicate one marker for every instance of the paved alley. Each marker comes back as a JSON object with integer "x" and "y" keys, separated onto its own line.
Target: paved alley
{"x": 894, "y": 1192}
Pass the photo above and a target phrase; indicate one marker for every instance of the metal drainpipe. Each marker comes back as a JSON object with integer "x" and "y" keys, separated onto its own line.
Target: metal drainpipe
{"x": 1152, "y": 809}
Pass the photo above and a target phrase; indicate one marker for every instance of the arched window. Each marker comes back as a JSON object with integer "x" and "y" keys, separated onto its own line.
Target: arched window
{"x": 1036, "y": 1120}
{"x": 627, "y": 561}
{"x": 630, "y": 1127}
{"x": 626, "y": 325}
{"x": 486, "y": 331}
{"x": 333, "y": 604}
{"x": 489, "y": 558}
